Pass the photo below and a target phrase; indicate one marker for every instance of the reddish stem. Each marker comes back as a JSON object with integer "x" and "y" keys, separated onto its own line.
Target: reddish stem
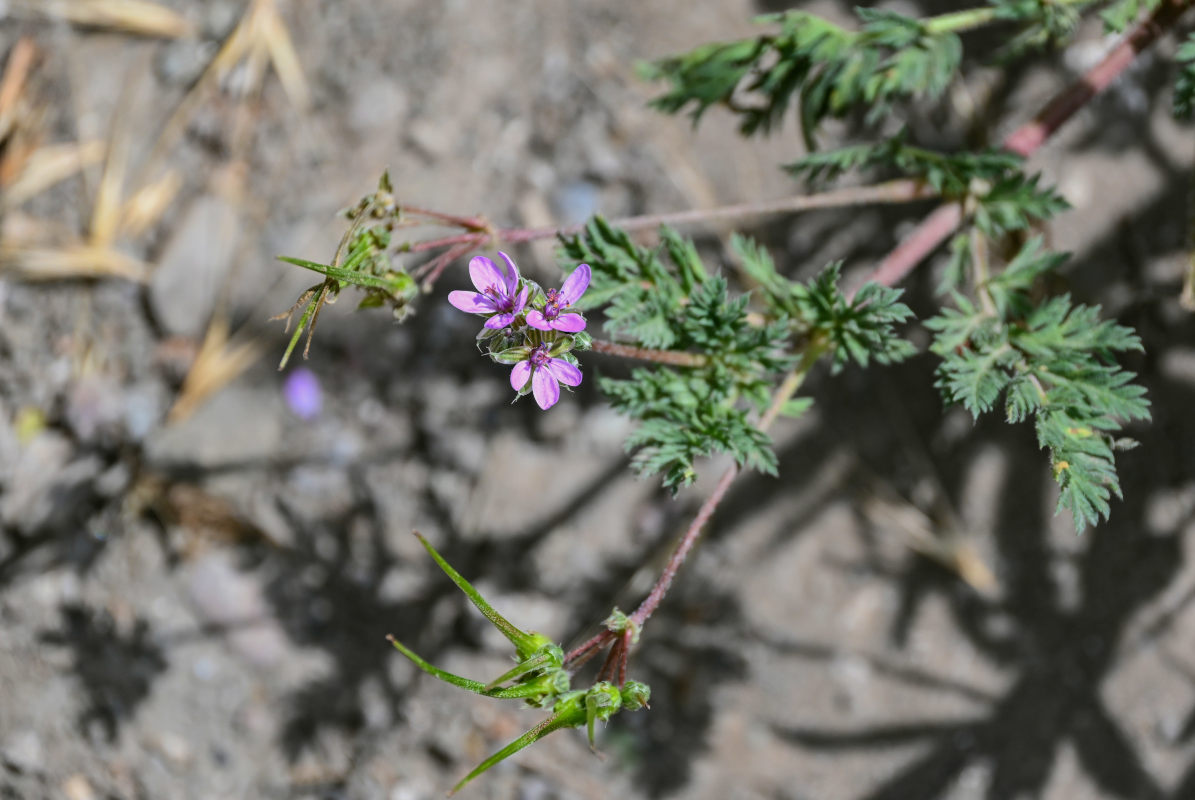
{"x": 897, "y": 191}
{"x": 627, "y": 637}
{"x": 480, "y": 233}
{"x": 673, "y": 357}
{"x": 471, "y": 223}
{"x": 609, "y": 670}
{"x": 473, "y": 239}
{"x": 586, "y": 651}
{"x": 441, "y": 262}
{"x": 652, "y": 601}
{"x": 1026, "y": 139}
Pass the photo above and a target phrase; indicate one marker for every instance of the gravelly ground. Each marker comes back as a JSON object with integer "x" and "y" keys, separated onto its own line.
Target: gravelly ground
{"x": 197, "y": 609}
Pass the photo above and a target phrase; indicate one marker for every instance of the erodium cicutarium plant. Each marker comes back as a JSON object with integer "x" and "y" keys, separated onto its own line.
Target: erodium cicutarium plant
{"x": 716, "y": 361}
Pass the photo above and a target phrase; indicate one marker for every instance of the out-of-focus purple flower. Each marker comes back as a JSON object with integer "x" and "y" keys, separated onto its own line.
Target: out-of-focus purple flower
{"x": 497, "y": 292}
{"x": 552, "y": 317}
{"x": 302, "y": 393}
{"x": 545, "y": 373}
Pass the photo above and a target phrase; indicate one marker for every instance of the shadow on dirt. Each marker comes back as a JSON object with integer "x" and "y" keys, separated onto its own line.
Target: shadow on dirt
{"x": 116, "y": 664}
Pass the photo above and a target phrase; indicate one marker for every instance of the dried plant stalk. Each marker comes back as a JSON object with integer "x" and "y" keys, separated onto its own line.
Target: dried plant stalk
{"x": 139, "y": 17}
{"x": 49, "y": 165}
{"x": 70, "y": 261}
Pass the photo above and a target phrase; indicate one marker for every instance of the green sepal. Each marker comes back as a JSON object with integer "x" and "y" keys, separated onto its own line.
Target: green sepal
{"x": 601, "y": 702}
{"x": 635, "y": 695}
{"x": 619, "y": 622}
{"x": 511, "y": 356}
{"x": 561, "y": 346}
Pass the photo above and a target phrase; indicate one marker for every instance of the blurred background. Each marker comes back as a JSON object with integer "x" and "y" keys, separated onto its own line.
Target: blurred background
{"x": 200, "y": 555}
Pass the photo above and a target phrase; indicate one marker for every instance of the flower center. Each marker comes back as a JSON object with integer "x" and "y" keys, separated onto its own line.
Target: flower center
{"x": 552, "y": 309}
{"x": 539, "y": 356}
{"x": 501, "y": 301}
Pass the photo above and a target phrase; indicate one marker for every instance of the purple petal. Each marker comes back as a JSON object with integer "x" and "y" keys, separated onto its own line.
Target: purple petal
{"x": 575, "y": 285}
{"x": 512, "y": 278}
{"x": 519, "y": 375}
{"x": 536, "y": 320}
{"x": 564, "y": 372}
{"x": 569, "y": 323}
{"x": 545, "y": 388}
{"x": 485, "y": 273}
{"x": 499, "y": 321}
{"x": 302, "y": 393}
{"x": 521, "y": 300}
{"x": 471, "y": 302}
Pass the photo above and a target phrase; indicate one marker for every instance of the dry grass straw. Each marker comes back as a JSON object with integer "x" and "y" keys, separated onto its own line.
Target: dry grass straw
{"x": 949, "y": 547}
{"x": 31, "y": 256}
{"x": 16, "y": 73}
{"x": 49, "y": 165}
{"x": 261, "y": 36}
{"x": 73, "y": 260}
{"x": 221, "y": 359}
{"x": 18, "y": 122}
{"x": 149, "y": 203}
{"x": 139, "y": 17}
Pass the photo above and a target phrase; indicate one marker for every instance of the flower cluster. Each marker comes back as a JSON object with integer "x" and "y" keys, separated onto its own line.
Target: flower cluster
{"x": 533, "y": 329}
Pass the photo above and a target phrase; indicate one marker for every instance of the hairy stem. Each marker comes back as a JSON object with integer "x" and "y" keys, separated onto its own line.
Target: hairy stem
{"x": 1026, "y": 139}
{"x": 469, "y": 223}
{"x": 897, "y": 191}
{"x": 674, "y": 358}
{"x": 813, "y": 351}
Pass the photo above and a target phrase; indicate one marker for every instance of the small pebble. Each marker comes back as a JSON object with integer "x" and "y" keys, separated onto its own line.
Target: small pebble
{"x": 23, "y": 752}
{"x": 76, "y": 787}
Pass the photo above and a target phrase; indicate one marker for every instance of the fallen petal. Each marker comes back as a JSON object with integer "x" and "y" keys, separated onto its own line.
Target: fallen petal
{"x": 302, "y": 393}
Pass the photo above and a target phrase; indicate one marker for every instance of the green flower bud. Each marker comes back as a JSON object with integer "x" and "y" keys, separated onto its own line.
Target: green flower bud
{"x": 635, "y": 695}
{"x": 511, "y": 356}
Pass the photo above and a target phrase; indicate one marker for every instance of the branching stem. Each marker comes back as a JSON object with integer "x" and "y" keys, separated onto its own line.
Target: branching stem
{"x": 1026, "y": 139}
{"x": 813, "y": 351}
{"x": 481, "y": 234}
{"x": 674, "y": 358}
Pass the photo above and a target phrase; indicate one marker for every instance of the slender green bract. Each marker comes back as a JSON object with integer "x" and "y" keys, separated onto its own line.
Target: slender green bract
{"x": 539, "y": 678}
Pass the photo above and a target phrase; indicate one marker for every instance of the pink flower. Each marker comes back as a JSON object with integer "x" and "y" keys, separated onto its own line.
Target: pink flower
{"x": 497, "y": 292}
{"x": 570, "y": 292}
{"x": 545, "y": 374}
